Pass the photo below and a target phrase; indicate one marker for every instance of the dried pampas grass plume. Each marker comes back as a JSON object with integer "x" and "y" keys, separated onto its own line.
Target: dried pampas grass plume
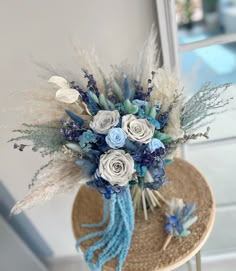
{"x": 89, "y": 60}
{"x": 62, "y": 175}
{"x": 166, "y": 84}
{"x": 43, "y": 107}
{"x": 149, "y": 58}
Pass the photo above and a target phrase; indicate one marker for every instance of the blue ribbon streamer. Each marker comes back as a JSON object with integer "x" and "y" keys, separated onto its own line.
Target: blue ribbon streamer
{"x": 115, "y": 239}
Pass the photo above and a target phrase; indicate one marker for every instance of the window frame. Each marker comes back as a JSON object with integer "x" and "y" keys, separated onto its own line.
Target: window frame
{"x": 171, "y": 49}
{"x": 168, "y": 30}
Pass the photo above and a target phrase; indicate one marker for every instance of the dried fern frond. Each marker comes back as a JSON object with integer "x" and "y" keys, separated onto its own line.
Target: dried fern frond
{"x": 207, "y": 102}
{"x": 61, "y": 175}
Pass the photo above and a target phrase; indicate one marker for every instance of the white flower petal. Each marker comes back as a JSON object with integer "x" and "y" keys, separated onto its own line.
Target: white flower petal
{"x": 59, "y": 81}
{"x": 137, "y": 129}
{"x": 117, "y": 167}
{"x": 67, "y": 95}
{"x": 104, "y": 120}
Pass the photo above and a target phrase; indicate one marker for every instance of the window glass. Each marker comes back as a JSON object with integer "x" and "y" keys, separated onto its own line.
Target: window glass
{"x": 216, "y": 64}
{"x": 201, "y": 19}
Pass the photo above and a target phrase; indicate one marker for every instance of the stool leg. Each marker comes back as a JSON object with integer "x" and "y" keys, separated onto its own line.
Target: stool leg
{"x": 198, "y": 261}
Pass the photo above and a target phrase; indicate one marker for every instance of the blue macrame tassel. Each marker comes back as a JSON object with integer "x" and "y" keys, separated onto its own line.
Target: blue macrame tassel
{"x": 105, "y": 216}
{"x": 116, "y": 237}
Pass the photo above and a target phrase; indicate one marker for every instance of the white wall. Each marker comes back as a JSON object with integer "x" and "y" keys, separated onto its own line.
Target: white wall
{"x": 43, "y": 30}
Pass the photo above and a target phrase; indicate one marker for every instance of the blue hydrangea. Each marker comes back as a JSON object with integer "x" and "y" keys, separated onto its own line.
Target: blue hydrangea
{"x": 86, "y": 139}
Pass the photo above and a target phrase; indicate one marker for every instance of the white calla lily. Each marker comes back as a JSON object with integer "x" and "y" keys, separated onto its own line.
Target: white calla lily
{"x": 67, "y": 95}
{"x": 59, "y": 81}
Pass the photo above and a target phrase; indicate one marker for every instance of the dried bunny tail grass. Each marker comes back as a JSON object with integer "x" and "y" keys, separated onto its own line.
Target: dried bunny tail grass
{"x": 166, "y": 86}
{"x": 62, "y": 175}
{"x": 149, "y": 58}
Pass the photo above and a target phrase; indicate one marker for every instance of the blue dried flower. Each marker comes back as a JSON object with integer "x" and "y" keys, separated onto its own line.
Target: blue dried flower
{"x": 87, "y": 167}
{"x": 71, "y": 130}
{"x": 139, "y": 92}
{"x": 86, "y": 139}
{"x": 140, "y": 103}
{"x": 141, "y": 113}
{"x": 163, "y": 119}
{"x": 141, "y": 170}
{"x": 126, "y": 88}
{"x": 154, "y": 122}
{"x": 104, "y": 187}
{"x": 144, "y": 156}
{"x": 180, "y": 218}
{"x": 157, "y": 184}
{"x": 92, "y": 85}
{"x": 155, "y": 144}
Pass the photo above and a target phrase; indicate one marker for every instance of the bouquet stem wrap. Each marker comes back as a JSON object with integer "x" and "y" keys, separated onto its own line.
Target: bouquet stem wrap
{"x": 115, "y": 239}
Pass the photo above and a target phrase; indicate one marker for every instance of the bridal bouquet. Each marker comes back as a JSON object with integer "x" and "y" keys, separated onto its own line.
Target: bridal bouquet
{"x": 116, "y": 134}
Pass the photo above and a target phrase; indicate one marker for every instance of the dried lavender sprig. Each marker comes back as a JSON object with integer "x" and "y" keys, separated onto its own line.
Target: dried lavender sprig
{"x": 92, "y": 85}
{"x": 186, "y": 138}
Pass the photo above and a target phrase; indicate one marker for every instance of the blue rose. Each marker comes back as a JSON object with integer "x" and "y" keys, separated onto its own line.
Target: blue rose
{"x": 116, "y": 138}
{"x": 155, "y": 144}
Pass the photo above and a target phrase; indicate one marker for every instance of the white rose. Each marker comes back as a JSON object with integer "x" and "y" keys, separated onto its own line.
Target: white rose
{"x": 117, "y": 167}
{"x": 137, "y": 129}
{"x": 105, "y": 120}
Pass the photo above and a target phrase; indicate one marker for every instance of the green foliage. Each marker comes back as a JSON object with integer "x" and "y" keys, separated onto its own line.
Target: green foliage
{"x": 46, "y": 138}
{"x": 164, "y": 138}
{"x": 103, "y": 102}
{"x": 169, "y": 161}
{"x": 130, "y": 108}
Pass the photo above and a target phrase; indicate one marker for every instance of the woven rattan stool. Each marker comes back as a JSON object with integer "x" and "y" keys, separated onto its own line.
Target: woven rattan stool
{"x": 145, "y": 253}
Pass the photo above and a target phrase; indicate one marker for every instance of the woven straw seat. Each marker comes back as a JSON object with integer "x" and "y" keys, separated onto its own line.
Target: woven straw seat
{"x": 145, "y": 253}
